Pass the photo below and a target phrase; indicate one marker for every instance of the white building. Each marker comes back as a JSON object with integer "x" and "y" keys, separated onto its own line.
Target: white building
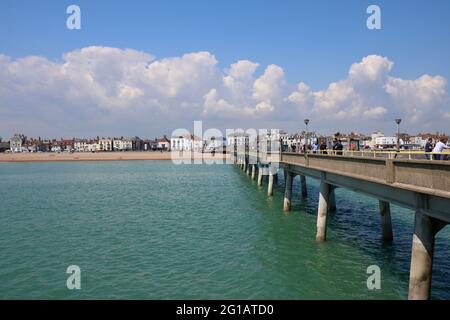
{"x": 215, "y": 143}
{"x": 381, "y": 142}
{"x": 16, "y": 143}
{"x": 84, "y": 145}
{"x": 163, "y": 143}
{"x": 372, "y": 143}
{"x": 105, "y": 144}
{"x": 187, "y": 142}
{"x": 419, "y": 140}
{"x": 81, "y": 145}
{"x": 238, "y": 139}
{"x": 182, "y": 143}
{"x": 123, "y": 144}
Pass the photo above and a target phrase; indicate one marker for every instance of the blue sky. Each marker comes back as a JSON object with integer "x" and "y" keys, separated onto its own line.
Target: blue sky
{"x": 314, "y": 42}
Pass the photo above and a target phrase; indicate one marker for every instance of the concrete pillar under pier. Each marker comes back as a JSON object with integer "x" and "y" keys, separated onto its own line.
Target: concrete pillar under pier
{"x": 386, "y": 224}
{"x": 248, "y": 172}
{"x": 303, "y": 185}
{"x": 244, "y": 166}
{"x": 270, "y": 184}
{"x": 260, "y": 175}
{"x": 288, "y": 191}
{"x": 253, "y": 171}
{"x": 322, "y": 211}
{"x": 332, "y": 200}
{"x": 425, "y": 230}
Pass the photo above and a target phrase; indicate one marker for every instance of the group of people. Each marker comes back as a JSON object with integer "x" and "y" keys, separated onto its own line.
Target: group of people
{"x": 321, "y": 147}
{"x": 436, "y": 149}
{"x": 432, "y": 151}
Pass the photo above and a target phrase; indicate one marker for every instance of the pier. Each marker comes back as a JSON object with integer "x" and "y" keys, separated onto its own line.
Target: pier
{"x": 420, "y": 185}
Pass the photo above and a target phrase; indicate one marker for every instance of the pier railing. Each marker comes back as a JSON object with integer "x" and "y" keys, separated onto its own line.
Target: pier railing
{"x": 431, "y": 177}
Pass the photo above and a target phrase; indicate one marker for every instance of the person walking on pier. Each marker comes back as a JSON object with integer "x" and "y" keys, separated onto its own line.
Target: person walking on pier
{"x": 323, "y": 147}
{"x": 338, "y": 147}
{"x": 440, "y": 146}
{"x": 314, "y": 147}
{"x": 428, "y": 148}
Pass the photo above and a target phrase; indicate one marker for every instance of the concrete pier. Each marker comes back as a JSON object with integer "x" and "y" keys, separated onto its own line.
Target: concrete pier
{"x": 420, "y": 185}
{"x": 322, "y": 211}
{"x": 386, "y": 223}
{"x": 288, "y": 191}
{"x": 303, "y": 185}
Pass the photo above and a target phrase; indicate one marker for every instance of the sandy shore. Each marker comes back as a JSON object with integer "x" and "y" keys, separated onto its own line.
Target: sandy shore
{"x": 102, "y": 156}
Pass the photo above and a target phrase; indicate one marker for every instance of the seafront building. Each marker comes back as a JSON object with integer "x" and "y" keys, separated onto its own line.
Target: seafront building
{"x": 163, "y": 143}
{"x": 187, "y": 142}
{"x": 15, "y": 143}
{"x": 289, "y": 142}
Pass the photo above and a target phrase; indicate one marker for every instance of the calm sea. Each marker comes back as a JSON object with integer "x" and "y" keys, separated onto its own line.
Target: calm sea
{"x": 154, "y": 230}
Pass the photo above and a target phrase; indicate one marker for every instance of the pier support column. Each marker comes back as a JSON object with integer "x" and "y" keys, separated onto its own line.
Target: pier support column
{"x": 270, "y": 184}
{"x": 253, "y": 171}
{"x": 322, "y": 211}
{"x": 248, "y": 169}
{"x": 260, "y": 175}
{"x": 425, "y": 230}
{"x": 303, "y": 185}
{"x": 332, "y": 200}
{"x": 244, "y": 166}
{"x": 288, "y": 191}
{"x": 386, "y": 224}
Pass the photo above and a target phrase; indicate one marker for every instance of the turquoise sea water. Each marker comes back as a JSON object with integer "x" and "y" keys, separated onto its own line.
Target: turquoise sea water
{"x": 154, "y": 230}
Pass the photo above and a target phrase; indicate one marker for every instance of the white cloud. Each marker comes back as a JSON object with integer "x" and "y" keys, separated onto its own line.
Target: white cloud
{"x": 371, "y": 69}
{"x": 243, "y": 69}
{"x": 269, "y": 86}
{"x": 369, "y": 93}
{"x": 109, "y": 89}
{"x": 418, "y": 98}
{"x": 375, "y": 113}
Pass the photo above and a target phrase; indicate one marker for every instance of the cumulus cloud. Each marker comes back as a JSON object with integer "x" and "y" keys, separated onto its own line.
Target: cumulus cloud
{"x": 375, "y": 113}
{"x": 109, "y": 89}
{"x": 370, "y": 93}
{"x": 418, "y": 98}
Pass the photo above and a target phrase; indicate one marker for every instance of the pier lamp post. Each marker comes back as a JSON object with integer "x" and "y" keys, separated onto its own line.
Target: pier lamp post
{"x": 306, "y": 135}
{"x": 398, "y": 121}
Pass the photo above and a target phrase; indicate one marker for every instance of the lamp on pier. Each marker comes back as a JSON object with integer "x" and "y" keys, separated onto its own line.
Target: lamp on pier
{"x": 398, "y": 121}
{"x": 306, "y": 134}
